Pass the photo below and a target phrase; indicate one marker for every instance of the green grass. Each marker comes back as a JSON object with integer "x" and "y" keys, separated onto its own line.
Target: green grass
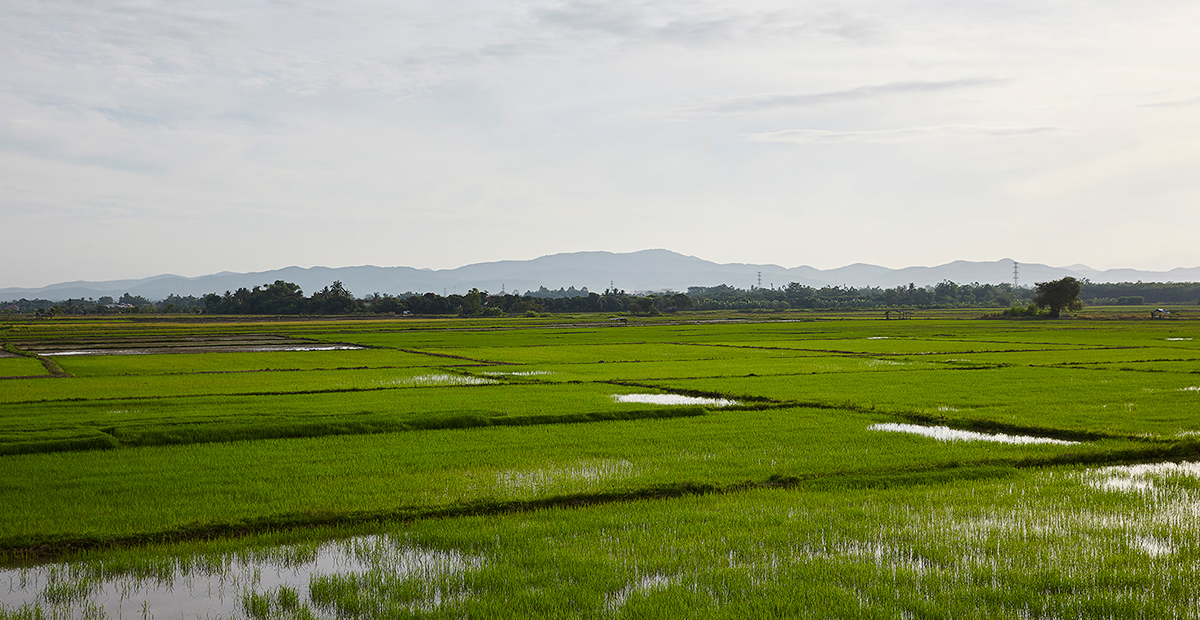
{"x": 959, "y": 549}
{"x": 254, "y": 484}
{"x": 990, "y": 542}
{"x": 353, "y": 403}
{"x": 578, "y": 506}
{"x": 111, "y": 388}
{"x": 188, "y": 363}
{"x": 1110, "y": 402}
{"x": 21, "y": 367}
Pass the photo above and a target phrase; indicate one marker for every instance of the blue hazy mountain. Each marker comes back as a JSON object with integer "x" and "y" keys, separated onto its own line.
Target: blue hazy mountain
{"x": 647, "y": 270}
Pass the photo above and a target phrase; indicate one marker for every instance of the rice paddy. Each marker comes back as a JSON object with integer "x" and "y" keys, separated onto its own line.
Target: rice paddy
{"x": 565, "y": 468}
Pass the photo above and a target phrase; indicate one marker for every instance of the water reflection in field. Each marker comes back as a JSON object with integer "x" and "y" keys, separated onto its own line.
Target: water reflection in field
{"x": 249, "y": 583}
{"x": 674, "y": 399}
{"x": 206, "y": 349}
{"x": 945, "y": 433}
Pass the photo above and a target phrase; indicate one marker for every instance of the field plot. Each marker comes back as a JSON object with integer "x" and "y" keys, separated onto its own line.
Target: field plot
{"x": 687, "y": 467}
{"x": 223, "y": 362}
{"x": 361, "y": 402}
{"x": 1105, "y": 402}
{"x": 21, "y": 367}
{"x": 431, "y": 472}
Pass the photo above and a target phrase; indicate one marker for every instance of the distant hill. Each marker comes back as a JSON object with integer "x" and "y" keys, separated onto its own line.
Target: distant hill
{"x": 647, "y": 270}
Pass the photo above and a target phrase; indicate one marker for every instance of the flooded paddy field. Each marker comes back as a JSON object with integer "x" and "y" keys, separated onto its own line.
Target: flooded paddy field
{"x": 1099, "y": 542}
{"x": 516, "y": 468}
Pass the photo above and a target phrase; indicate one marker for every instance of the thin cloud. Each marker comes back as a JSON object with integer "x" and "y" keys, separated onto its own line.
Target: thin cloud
{"x": 50, "y": 152}
{"x": 652, "y": 23}
{"x": 598, "y": 17}
{"x": 1179, "y": 103}
{"x": 770, "y": 102}
{"x": 893, "y": 136}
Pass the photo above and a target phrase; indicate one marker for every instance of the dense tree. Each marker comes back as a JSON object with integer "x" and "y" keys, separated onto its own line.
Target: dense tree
{"x": 177, "y": 303}
{"x": 477, "y": 303}
{"x": 137, "y": 301}
{"x": 278, "y": 298}
{"x": 333, "y": 299}
{"x": 679, "y": 302}
{"x": 1125, "y": 293}
{"x": 1058, "y": 295}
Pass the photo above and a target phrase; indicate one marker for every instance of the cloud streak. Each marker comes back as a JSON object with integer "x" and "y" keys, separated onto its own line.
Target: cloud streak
{"x": 895, "y": 136}
{"x": 660, "y": 23}
{"x": 1178, "y": 103}
{"x": 759, "y": 103}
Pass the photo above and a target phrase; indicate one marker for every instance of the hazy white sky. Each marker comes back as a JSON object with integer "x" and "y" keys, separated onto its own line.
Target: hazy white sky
{"x": 139, "y": 138}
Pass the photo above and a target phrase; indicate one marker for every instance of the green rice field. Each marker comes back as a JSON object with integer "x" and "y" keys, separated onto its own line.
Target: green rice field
{"x": 695, "y": 465}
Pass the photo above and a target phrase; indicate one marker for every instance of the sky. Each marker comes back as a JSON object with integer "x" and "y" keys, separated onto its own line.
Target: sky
{"x": 142, "y": 138}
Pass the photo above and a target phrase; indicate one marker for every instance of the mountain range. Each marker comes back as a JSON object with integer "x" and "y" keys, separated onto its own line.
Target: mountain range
{"x": 647, "y": 270}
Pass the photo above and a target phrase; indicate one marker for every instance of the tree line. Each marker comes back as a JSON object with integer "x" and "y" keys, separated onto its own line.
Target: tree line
{"x": 286, "y": 298}
{"x": 127, "y": 303}
{"x": 1137, "y": 293}
{"x": 798, "y": 296}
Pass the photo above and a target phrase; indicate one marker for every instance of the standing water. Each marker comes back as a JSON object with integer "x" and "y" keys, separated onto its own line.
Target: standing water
{"x": 254, "y": 583}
